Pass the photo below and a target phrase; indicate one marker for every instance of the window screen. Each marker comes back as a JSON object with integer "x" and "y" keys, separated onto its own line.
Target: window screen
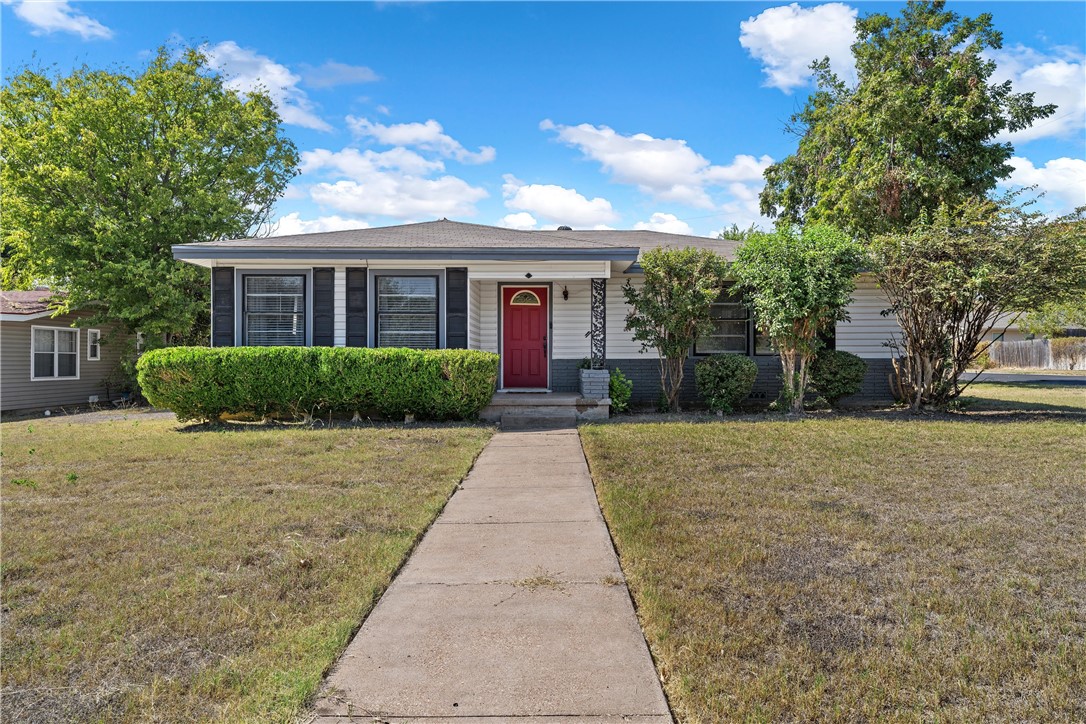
{"x": 274, "y": 311}
{"x": 56, "y": 352}
{"x": 731, "y": 327}
{"x": 407, "y": 312}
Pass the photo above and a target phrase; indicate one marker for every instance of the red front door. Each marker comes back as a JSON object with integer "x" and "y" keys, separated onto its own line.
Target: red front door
{"x": 524, "y": 337}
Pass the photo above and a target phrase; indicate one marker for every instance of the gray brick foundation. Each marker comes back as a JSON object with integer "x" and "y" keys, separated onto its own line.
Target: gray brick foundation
{"x": 645, "y": 374}
{"x": 595, "y": 384}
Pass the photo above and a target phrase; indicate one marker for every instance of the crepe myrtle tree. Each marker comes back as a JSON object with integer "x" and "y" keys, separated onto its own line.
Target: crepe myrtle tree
{"x": 673, "y": 308}
{"x": 798, "y": 281}
{"x": 968, "y": 271}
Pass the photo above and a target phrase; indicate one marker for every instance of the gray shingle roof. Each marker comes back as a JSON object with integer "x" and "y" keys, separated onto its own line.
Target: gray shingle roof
{"x": 28, "y": 303}
{"x": 444, "y": 234}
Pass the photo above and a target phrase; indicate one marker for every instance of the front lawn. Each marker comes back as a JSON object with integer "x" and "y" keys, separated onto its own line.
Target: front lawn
{"x": 1023, "y": 397}
{"x": 159, "y": 573}
{"x": 856, "y": 567}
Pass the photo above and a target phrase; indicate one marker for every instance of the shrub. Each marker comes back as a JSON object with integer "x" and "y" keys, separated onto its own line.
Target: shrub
{"x": 620, "y": 390}
{"x": 836, "y": 374}
{"x": 1066, "y": 351}
{"x": 982, "y": 358}
{"x": 725, "y": 380}
{"x": 201, "y": 383}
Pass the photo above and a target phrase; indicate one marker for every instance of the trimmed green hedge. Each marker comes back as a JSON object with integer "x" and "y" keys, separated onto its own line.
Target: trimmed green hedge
{"x": 203, "y": 383}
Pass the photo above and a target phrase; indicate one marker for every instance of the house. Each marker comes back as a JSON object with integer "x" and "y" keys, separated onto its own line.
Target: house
{"x": 47, "y": 362}
{"x": 543, "y": 300}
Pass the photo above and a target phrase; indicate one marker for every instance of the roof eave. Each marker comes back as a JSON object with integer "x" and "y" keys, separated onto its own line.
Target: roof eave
{"x": 190, "y": 252}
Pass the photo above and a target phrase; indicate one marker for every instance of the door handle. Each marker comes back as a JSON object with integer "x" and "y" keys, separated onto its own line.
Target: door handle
{"x": 544, "y": 344}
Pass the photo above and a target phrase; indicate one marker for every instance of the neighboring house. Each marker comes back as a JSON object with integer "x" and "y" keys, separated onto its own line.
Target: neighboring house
{"x": 543, "y": 300}
{"x": 45, "y": 361}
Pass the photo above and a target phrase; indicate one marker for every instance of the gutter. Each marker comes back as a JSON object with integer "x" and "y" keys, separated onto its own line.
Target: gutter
{"x": 185, "y": 252}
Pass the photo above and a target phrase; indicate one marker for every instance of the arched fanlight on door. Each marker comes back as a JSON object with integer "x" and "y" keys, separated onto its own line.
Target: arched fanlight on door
{"x": 525, "y": 298}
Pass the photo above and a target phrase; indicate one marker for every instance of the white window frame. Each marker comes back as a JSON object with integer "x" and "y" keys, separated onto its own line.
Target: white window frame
{"x": 56, "y": 352}
{"x": 97, "y": 335}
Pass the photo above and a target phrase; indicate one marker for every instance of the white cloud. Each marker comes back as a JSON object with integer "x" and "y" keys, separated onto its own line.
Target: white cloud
{"x": 665, "y": 168}
{"x": 522, "y": 221}
{"x": 556, "y": 203}
{"x": 1063, "y": 180}
{"x": 400, "y": 196}
{"x": 358, "y": 164}
{"x": 293, "y": 224}
{"x": 787, "y": 39}
{"x": 429, "y": 136}
{"x": 332, "y": 74}
{"x": 1058, "y": 76}
{"x": 667, "y": 223}
{"x": 247, "y": 70}
{"x": 398, "y": 182}
{"x": 48, "y": 16}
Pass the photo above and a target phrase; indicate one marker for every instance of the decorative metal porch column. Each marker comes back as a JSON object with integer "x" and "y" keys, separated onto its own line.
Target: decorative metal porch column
{"x": 598, "y": 329}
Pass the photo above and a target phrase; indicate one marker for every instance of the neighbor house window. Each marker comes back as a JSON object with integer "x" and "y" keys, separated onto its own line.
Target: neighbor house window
{"x": 55, "y": 353}
{"x": 274, "y": 310}
{"x": 731, "y": 326}
{"x": 407, "y": 312}
{"x": 94, "y": 351}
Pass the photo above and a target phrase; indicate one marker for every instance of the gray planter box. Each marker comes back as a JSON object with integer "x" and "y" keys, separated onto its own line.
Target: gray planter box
{"x": 595, "y": 384}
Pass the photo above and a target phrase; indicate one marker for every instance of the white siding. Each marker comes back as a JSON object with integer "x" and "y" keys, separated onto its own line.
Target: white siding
{"x": 488, "y": 315}
{"x": 339, "y": 305}
{"x": 569, "y": 317}
{"x": 572, "y": 319}
{"x": 867, "y": 329}
{"x": 620, "y": 343}
{"x": 474, "y": 299}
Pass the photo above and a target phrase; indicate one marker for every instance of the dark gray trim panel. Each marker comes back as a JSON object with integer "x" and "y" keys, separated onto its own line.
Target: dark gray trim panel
{"x": 456, "y": 308}
{"x": 357, "y": 298}
{"x": 184, "y": 252}
{"x": 222, "y": 306}
{"x": 324, "y": 306}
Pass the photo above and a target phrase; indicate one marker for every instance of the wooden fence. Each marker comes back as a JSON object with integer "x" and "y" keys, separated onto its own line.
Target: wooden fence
{"x": 1065, "y": 354}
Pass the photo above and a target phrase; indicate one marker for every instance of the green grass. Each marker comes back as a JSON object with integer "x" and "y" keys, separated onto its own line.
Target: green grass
{"x": 1001, "y": 397}
{"x": 157, "y": 573}
{"x": 849, "y": 568}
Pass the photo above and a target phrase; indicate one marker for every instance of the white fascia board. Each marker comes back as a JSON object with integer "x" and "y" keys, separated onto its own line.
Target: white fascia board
{"x": 25, "y": 317}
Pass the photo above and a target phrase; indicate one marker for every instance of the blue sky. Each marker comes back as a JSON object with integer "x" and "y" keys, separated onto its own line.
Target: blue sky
{"x": 530, "y": 115}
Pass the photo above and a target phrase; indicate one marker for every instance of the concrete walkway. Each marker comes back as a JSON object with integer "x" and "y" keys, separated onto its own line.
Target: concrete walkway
{"x": 513, "y": 606}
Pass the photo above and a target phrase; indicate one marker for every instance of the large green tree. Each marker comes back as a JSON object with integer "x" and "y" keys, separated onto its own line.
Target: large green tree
{"x": 102, "y": 171}
{"x": 915, "y": 133}
{"x": 799, "y": 282}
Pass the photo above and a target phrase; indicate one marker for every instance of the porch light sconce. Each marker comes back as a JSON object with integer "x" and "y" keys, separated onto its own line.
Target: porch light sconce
{"x": 565, "y": 294}
{"x": 528, "y": 275}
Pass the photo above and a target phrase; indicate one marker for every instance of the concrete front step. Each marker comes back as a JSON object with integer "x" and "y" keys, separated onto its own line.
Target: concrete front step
{"x": 547, "y": 404}
{"x": 538, "y": 421}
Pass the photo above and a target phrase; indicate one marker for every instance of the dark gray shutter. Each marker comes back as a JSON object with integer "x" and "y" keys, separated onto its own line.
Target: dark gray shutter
{"x": 324, "y": 307}
{"x": 456, "y": 308}
{"x": 357, "y": 324}
{"x": 222, "y": 306}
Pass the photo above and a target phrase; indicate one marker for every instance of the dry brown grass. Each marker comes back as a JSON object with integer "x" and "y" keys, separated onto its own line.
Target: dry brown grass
{"x": 158, "y": 574}
{"x": 855, "y": 568}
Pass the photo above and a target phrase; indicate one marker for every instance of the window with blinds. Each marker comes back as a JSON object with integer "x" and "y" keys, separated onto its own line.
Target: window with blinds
{"x": 274, "y": 310}
{"x": 55, "y": 352}
{"x": 407, "y": 312}
{"x": 731, "y": 327}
